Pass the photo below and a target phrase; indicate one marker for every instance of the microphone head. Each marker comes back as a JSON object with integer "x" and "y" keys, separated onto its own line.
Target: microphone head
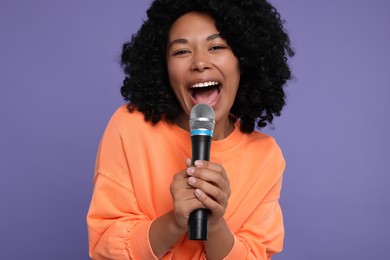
{"x": 202, "y": 120}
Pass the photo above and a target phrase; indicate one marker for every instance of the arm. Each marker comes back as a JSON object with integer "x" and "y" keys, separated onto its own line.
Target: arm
{"x": 117, "y": 229}
{"x": 164, "y": 234}
{"x": 212, "y": 189}
{"x": 255, "y": 230}
{"x": 121, "y": 224}
{"x": 262, "y": 234}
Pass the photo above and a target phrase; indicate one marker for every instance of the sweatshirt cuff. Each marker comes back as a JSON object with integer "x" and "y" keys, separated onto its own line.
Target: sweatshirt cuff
{"x": 239, "y": 251}
{"x": 137, "y": 241}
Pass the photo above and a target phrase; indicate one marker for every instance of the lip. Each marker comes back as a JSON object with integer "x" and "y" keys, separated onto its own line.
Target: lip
{"x": 203, "y": 80}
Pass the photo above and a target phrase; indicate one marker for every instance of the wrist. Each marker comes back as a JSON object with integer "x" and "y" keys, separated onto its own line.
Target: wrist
{"x": 175, "y": 225}
{"x": 216, "y": 226}
{"x": 220, "y": 240}
{"x": 164, "y": 233}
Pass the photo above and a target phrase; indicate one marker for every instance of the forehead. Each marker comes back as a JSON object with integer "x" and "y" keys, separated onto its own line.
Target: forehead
{"x": 193, "y": 23}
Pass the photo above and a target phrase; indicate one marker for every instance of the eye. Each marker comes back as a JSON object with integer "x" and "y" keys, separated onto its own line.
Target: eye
{"x": 180, "y": 52}
{"x": 217, "y": 47}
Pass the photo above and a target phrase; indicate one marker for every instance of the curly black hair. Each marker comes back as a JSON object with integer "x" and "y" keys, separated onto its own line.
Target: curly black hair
{"x": 252, "y": 28}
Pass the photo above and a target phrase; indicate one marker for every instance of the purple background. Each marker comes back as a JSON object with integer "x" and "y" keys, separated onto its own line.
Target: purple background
{"x": 60, "y": 82}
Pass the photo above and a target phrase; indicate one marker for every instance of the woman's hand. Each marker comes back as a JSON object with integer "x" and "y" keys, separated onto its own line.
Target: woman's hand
{"x": 183, "y": 196}
{"x": 204, "y": 185}
{"x": 212, "y": 187}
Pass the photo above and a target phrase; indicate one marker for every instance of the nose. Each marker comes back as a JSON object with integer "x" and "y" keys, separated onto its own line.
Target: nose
{"x": 200, "y": 62}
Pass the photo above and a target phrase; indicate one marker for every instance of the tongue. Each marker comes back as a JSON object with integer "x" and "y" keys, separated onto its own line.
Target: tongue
{"x": 206, "y": 95}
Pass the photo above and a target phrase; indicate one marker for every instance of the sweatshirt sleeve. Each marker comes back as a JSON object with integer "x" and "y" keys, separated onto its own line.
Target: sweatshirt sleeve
{"x": 262, "y": 234}
{"x": 117, "y": 228}
{"x": 260, "y": 239}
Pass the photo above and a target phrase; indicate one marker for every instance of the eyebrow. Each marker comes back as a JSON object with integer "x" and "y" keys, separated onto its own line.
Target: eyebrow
{"x": 184, "y": 41}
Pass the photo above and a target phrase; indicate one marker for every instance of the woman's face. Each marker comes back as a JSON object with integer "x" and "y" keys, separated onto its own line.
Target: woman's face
{"x": 201, "y": 66}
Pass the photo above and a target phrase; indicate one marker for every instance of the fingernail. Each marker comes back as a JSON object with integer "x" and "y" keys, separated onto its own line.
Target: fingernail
{"x": 198, "y": 163}
{"x": 190, "y": 170}
{"x": 191, "y": 180}
{"x": 188, "y": 161}
{"x": 198, "y": 192}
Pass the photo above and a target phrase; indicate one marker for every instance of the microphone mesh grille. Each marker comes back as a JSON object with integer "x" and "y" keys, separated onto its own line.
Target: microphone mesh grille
{"x": 202, "y": 117}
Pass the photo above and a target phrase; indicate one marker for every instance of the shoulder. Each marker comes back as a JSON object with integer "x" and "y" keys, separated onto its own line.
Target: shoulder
{"x": 123, "y": 116}
{"x": 123, "y": 130}
{"x": 265, "y": 147}
{"x": 123, "y": 121}
{"x": 262, "y": 141}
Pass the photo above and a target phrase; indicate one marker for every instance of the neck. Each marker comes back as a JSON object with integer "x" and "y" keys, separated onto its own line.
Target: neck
{"x": 223, "y": 128}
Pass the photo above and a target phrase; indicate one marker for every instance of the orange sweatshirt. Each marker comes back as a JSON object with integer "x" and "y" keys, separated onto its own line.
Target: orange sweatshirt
{"x": 135, "y": 166}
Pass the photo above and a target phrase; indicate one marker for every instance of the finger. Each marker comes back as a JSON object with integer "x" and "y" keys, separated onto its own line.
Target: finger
{"x": 209, "y": 165}
{"x": 183, "y": 208}
{"x": 215, "y": 167}
{"x": 213, "y": 191}
{"x": 209, "y": 175}
{"x": 209, "y": 203}
{"x": 180, "y": 183}
{"x": 188, "y": 162}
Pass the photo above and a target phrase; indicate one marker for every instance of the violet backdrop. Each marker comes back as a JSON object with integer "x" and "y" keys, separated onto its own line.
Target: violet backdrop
{"x": 60, "y": 80}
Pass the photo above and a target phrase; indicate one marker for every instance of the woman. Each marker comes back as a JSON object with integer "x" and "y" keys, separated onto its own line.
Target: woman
{"x": 231, "y": 55}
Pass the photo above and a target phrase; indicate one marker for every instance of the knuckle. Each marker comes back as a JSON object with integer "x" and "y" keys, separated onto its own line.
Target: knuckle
{"x": 215, "y": 207}
{"x": 220, "y": 167}
{"x": 217, "y": 194}
{"x": 228, "y": 195}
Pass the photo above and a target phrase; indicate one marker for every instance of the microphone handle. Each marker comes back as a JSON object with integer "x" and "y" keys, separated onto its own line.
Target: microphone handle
{"x": 198, "y": 221}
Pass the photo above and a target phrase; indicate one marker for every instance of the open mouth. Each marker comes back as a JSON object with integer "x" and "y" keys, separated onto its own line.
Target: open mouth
{"x": 205, "y": 92}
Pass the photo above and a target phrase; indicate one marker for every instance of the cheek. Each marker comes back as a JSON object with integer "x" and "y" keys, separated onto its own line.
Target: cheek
{"x": 175, "y": 69}
{"x": 175, "y": 77}
{"x": 233, "y": 73}
{"x": 234, "y": 67}
{"x": 230, "y": 65}
{"x": 233, "y": 78}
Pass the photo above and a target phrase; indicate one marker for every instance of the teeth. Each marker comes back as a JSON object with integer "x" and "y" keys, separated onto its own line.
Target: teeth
{"x": 205, "y": 84}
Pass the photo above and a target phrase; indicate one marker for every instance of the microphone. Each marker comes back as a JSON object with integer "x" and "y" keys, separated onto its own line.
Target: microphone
{"x": 202, "y": 121}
